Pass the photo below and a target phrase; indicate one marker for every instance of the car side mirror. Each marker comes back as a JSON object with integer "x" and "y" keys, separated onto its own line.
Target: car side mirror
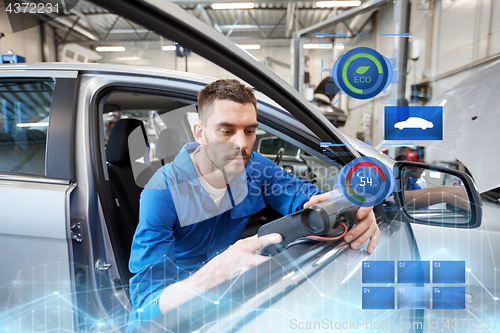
{"x": 437, "y": 196}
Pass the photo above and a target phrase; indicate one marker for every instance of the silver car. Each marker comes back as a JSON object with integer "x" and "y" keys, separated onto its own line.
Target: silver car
{"x": 70, "y": 203}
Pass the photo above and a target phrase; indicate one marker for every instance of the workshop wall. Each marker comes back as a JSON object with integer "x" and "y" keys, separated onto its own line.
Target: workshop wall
{"x": 25, "y": 43}
{"x": 453, "y": 36}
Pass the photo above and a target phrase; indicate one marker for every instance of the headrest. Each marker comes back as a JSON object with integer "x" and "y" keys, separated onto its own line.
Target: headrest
{"x": 168, "y": 145}
{"x": 117, "y": 149}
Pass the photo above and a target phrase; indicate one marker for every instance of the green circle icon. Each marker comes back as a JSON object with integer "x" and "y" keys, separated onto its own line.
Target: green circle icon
{"x": 362, "y": 73}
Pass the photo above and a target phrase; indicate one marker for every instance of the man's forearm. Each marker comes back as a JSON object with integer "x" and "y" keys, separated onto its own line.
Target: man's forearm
{"x": 234, "y": 261}
{"x": 441, "y": 194}
{"x": 178, "y": 293}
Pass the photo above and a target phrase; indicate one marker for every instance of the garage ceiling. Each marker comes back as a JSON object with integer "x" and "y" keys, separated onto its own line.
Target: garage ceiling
{"x": 88, "y": 23}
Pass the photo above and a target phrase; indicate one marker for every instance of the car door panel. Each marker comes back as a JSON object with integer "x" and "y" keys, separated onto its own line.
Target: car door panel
{"x": 319, "y": 284}
{"x": 173, "y": 23}
{"x": 35, "y": 283}
{"x": 36, "y": 279}
{"x": 330, "y": 291}
{"x": 481, "y": 262}
{"x": 95, "y": 84}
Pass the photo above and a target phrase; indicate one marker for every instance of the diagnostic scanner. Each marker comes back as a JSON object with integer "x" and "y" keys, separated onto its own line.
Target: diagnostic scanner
{"x": 318, "y": 220}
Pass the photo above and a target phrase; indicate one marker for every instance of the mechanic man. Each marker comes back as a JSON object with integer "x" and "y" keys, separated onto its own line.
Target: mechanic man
{"x": 193, "y": 210}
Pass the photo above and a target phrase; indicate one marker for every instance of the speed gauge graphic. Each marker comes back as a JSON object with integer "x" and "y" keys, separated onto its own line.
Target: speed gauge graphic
{"x": 365, "y": 182}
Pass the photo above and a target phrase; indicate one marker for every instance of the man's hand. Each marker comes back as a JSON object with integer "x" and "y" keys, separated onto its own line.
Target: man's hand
{"x": 241, "y": 256}
{"x": 365, "y": 229}
{"x": 238, "y": 258}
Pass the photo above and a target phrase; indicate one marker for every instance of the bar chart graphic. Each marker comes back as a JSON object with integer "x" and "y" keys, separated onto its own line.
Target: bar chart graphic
{"x": 413, "y": 285}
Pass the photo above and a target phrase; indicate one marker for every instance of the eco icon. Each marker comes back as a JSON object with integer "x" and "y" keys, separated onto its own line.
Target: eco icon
{"x": 362, "y": 73}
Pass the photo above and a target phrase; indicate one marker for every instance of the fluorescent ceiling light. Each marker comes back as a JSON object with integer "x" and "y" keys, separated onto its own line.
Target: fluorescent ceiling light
{"x": 249, "y": 46}
{"x": 168, "y": 47}
{"x": 110, "y": 48}
{"x": 43, "y": 124}
{"x": 329, "y": 4}
{"x": 238, "y": 5}
{"x": 317, "y": 46}
{"x": 128, "y": 58}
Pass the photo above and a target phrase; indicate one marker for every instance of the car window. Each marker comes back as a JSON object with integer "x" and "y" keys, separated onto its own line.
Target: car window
{"x": 298, "y": 161}
{"x": 295, "y": 160}
{"x": 271, "y": 145}
{"x": 158, "y": 114}
{"x": 24, "y": 122}
{"x": 110, "y": 119}
{"x": 307, "y": 165}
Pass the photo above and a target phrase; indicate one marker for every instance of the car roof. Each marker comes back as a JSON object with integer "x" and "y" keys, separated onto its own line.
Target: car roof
{"x": 116, "y": 69}
{"x": 107, "y": 68}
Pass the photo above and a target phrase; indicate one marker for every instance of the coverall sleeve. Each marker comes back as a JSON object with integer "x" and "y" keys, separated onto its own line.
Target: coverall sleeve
{"x": 153, "y": 256}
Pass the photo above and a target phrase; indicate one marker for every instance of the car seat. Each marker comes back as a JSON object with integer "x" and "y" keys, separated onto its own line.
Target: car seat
{"x": 124, "y": 189}
{"x": 168, "y": 146}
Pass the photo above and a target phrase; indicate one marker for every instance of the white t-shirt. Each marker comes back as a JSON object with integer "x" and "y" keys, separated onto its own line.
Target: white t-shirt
{"x": 215, "y": 193}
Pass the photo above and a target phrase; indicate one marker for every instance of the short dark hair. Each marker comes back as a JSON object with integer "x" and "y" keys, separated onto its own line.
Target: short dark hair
{"x": 224, "y": 89}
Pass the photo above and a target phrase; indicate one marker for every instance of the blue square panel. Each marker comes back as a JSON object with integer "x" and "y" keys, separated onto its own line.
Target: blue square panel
{"x": 413, "y": 123}
{"x": 448, "y": 271}
{"x": 448, "y": 298}
{"x": 414, "y": 298}
{"x": 414, "y": 271}
{"x": 378, "y": 272}
{"x": 378, "y": 298}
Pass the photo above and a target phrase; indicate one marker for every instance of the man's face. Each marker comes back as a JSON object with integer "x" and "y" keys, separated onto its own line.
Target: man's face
{"x": 229, "y": 135}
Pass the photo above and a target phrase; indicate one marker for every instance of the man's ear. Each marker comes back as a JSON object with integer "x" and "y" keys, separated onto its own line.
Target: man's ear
{"x": 198, "y": 132}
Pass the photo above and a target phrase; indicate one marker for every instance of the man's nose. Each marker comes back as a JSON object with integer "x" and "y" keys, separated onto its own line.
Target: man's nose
{"x": 240, "y": 141}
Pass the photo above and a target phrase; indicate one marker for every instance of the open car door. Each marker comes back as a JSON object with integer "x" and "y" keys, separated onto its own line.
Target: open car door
{"x": 173, "y": 23}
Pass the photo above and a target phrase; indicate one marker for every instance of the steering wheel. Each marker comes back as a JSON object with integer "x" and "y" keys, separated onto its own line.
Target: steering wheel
{"x": 279, "y": 155}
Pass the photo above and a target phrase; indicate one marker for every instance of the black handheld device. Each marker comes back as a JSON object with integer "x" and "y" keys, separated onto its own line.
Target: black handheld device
{"x": 318, "y": 220}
